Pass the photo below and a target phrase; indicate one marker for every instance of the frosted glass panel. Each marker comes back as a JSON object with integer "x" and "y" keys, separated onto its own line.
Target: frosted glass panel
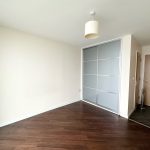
{"x": 108, "y": 67}
{"x": 109, "y": 50}
{"x": 108, "y": 100}
{"x": 101, "y": 74}
{"x": 90, "y": 74}
{"x": 90, "y": 67}
{"x": 90, "y": 54}
{"x": 108, "y": 83}
{"x": 90, "y": 81}
{"x": 89, "y": 94}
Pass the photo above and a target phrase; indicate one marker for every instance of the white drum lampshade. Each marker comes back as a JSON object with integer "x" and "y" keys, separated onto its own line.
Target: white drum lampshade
{"x": 91, "y": 29}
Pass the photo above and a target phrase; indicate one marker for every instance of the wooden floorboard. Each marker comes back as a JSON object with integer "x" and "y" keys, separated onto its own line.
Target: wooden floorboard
{"x": 78, "y": 126}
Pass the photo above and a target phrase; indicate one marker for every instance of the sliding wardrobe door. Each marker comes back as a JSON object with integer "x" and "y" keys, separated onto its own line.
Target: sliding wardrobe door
{"x": 90, "y": 74}
{"x": 108, "y": 75}
{"x": 101, "y": 75}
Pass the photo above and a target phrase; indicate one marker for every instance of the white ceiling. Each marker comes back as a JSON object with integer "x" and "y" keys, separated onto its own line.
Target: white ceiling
{"x": 64, "y": 20}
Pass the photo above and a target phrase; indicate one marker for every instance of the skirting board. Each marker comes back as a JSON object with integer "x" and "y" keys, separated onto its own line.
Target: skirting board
{"x": 29, "y": 116}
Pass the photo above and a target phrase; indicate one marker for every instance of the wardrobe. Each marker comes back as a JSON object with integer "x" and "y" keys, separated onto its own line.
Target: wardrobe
{"x": 101, "y": 75}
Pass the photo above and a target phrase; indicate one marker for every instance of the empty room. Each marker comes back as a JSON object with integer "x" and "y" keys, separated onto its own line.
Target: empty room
{"x": 74, "y": 75}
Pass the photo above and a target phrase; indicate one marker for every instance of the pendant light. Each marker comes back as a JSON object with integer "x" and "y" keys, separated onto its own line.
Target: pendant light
{"x": 92, "y": 27}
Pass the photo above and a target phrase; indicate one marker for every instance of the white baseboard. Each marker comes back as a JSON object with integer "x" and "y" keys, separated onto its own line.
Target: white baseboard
{"x": 2, "y": 124}
{"x": 124, "y": 116}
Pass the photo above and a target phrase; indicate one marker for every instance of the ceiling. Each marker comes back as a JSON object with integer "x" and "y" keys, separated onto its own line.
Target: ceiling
{"x": 64, "y": 20}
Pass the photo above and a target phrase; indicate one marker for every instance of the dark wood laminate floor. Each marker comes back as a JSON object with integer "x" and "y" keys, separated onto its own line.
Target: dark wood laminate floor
{"x": 78, "y": 126}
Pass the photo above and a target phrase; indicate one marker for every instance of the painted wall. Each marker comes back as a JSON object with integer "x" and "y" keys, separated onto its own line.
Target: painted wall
{"x": 36, "y": 75}
{"x": 128, "y": 74}
{"x": 125, "y": 73}
{"x": 135, "y": 47}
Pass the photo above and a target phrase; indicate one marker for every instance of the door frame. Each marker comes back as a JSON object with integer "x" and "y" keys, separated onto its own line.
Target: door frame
{"x": 145, "y": 51}
{"x": 139, "y": 94}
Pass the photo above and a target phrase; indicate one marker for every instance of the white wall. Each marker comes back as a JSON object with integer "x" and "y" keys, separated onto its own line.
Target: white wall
{"x": 128, "y": 74}
{"x": 36, "y": 75}
{"x": 135, "y": 47}
{"x": 125, "y": 73}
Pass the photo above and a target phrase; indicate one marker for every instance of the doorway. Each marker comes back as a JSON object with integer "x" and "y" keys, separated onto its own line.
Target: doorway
{"x": 137, "y": 91}
{"x": 142, "y": 112}
{"x": 147, "y": 80}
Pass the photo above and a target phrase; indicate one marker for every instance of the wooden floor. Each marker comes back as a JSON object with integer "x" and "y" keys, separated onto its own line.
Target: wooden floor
{"x": 78, "y": 126}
